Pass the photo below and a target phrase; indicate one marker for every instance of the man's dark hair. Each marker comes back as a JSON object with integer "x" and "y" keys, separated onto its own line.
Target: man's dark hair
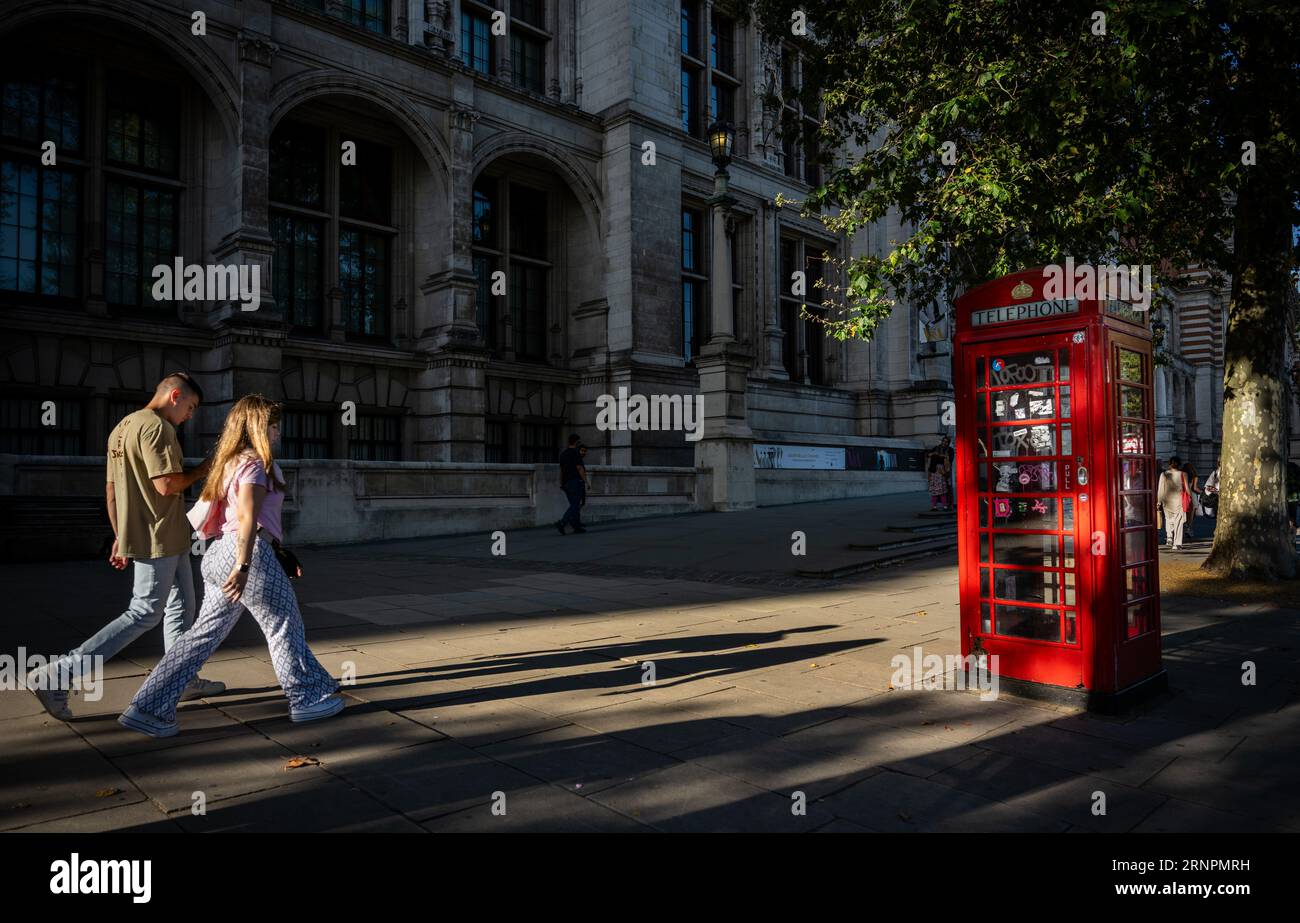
{"x": 574, "y": 440}
{"x": 180, "y": 380}
{"x": 1175, "y": 462}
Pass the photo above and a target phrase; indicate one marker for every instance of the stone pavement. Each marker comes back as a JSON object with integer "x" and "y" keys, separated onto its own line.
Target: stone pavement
{"x": 518, "y": 682}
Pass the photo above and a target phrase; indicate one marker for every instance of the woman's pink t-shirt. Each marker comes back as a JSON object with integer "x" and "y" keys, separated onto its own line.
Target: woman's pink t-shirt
{"x": 249, "y": 470}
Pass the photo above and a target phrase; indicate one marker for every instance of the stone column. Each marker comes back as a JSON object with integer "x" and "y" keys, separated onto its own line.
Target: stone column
{"x": 250, "y": 244}
{"x": 727, "y": 447}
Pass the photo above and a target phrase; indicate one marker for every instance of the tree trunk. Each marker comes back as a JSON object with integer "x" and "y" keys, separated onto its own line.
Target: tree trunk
{"x": 1253, "y": 537}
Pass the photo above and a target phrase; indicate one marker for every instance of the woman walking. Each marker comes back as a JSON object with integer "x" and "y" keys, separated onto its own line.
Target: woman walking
{"x": 937, "y": 469}
{"x": 1174, "y": 501}
{"x": 241, "y": 570}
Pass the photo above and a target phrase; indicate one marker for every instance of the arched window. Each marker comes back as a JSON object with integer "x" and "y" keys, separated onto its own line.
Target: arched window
{"x": 322, "y": 205}
{"x": 511, "y": 238}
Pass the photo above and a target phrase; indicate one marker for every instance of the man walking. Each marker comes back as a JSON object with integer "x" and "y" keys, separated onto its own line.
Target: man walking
{"x": 144, "y": 488}
{"x": 573, "y": 481}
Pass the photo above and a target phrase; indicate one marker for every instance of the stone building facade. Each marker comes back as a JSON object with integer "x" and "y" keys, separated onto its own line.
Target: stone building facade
{"x": 470, "y": 220}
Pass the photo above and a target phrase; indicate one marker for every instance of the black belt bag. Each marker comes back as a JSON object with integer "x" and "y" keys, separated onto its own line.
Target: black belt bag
{"x": 288, "y": 560}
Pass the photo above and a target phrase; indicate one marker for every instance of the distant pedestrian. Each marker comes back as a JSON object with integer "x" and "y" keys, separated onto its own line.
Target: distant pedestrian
{"x": 937, "y": 467}
{"x": 1210, "y": 495}
{"x": 1194, "y": 512}
{"x": 573, "y": 481}
{"x": 1174, "y": 500}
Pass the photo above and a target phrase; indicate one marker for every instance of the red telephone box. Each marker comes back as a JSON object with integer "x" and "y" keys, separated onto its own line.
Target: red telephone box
{"x": 1055, "y": 479}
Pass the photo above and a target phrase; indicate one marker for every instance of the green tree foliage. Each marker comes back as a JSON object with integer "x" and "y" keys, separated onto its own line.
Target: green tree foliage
{"x": 1156, "y": 132}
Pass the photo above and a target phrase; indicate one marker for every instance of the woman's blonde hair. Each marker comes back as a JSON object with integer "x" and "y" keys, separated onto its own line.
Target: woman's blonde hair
{"x": 246, "y": 429}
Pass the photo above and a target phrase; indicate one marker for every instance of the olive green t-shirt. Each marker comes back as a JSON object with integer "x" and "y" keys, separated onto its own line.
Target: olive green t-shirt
{"x": 141, "y": 447}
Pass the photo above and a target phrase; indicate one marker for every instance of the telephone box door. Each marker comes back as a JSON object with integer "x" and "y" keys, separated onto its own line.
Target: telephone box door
{"x": 1027, "y": 463}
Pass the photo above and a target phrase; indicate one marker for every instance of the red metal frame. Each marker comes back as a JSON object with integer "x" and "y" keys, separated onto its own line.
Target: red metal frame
{"x": 1101, "y": 656}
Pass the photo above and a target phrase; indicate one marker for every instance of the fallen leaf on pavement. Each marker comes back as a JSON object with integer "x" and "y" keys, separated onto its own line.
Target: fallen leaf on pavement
{"x": 107, "y": 792}
{"x": 300, "y": 761}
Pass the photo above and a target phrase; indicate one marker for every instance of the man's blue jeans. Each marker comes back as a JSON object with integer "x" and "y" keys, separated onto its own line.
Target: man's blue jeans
{"x": 164, "y": 592}
{"x": 575, "y": 490}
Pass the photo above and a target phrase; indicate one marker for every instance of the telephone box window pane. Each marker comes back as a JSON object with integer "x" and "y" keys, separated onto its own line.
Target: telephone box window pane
{"x": 984, "y": 548}
{"x": 1131, "y": 367}
{"x": 1027, "y": 550}
{"x": 1069, "y": 626}
{"x": 1069, "y": 588}
{"x": 980, "y": 381}
{"x": 984, "y": 582}
{"x": 982, "y": 442}
{"x": 1025, "y": 477}
{"x": 984, "y": 478}
{"x": 1030, "y": 586}
{"x": 1024, "y": 440}
{"x": 1138, "y": 582}
{"x": 1027, "y": 513}
{"x": 1132, "y": 401}
{"x": 1137, "y": 619}
{"x": 1069, "y": 551}
{"x": 1135, "y": 546}
{"x": 1067, "y": 446}
{"x": 1133, "y": 474}
{"x": 1132, "y": 439}
{"x": 1023, "y": 404}
{"x": 981, "y": 413}
{"x": 984, "y": 514}
{"x": 1067, "y": 512}
{"x": 1136, "y": 509}
{"x": 1063, "y": 360}
{"x": 1023, "y": 622}
{"x": 1021, "y": 369}
{"x": 986, "y": 621}
{"x": 1065, "y": 402}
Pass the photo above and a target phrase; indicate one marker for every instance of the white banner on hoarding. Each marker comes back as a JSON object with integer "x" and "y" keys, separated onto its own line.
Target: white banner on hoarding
{"x": 804, "y": 457}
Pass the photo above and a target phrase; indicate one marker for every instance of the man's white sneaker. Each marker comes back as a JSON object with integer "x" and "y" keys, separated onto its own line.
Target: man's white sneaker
{"x": 200, "y": 688}
{"x": 54, "y": 701}
{"x": 145, "y": 723}
{"x": 324, "y": 709}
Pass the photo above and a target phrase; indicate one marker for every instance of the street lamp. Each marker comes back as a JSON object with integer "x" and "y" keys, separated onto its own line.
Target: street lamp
{"x": 722, "y": 137}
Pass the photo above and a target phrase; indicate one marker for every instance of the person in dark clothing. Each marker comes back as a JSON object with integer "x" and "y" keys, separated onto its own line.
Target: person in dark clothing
{"x": 573, "y": 481}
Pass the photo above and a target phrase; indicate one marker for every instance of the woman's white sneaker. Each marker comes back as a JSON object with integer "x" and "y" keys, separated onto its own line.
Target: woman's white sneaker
{"x": 323, "y": 709}
{"x": 145, "y": 723}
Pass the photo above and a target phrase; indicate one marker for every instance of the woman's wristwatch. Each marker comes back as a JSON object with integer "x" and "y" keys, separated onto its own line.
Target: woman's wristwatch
{"x": 243, "y": 568}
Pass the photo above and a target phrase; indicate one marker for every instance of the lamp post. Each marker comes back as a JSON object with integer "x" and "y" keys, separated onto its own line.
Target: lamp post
{"x": 722, "y": 138}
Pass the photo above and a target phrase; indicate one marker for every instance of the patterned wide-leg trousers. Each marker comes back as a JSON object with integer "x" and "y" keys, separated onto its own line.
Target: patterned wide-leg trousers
{"x": 269, "y": 596}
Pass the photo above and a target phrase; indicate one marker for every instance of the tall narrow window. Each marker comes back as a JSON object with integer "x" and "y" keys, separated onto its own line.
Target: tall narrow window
{"x": 487, "y": 255}
{"x": 529, "y": 271}
{"x": 142, "y": 136}
{"x": 39, "y": 214}
{"x": 527, "y": 62}
{"x": 476, "y": 40}
{"x": 693, "y": 68}
{"x": 298, "y": 221}
{"x": 804, "y": 347}
{"x": 694, "y": 282}
{"x": 350, "y": 204}
{"x": 376, "y": 437}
